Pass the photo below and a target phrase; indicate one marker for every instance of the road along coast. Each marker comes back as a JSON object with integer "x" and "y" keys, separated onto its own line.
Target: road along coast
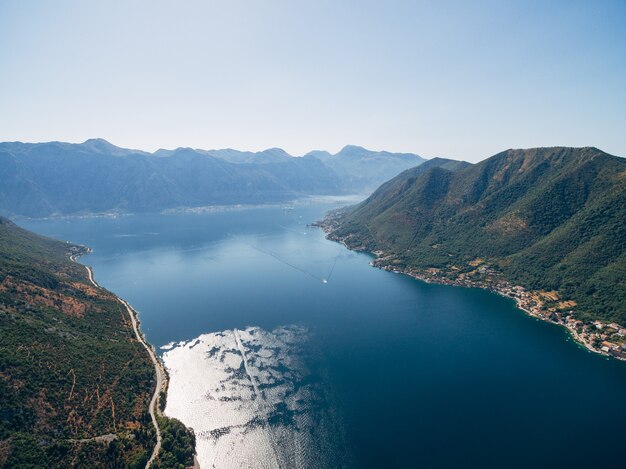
{"x": 161, "y": 381}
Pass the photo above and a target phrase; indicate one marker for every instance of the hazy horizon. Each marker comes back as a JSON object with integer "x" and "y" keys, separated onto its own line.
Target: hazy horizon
{"x": 450, "y": 79}
{"x": 275, "y": 147}
{"x": 260, "y": 150}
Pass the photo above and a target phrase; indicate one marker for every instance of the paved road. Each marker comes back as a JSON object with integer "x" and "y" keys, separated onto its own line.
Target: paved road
{"x": 157, "y": 368}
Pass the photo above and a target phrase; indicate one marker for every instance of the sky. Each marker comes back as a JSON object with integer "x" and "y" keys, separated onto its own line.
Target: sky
{"x": 463, "y": 79}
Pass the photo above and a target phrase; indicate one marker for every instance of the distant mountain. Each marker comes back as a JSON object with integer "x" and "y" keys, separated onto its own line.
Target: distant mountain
{"x": 60, "y": 178}
{"x": 56, "y": 178}
{"x": 271, "y": 155}
{"x": 101, "y": 146}
{"x": 549, "y": 219}
{"x": 364, "y": 170}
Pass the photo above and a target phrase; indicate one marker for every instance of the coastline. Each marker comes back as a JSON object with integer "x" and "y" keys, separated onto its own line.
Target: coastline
{"x": 519, "y": 303}
{"x": 288, "y": 204}
{"x": 525, "y": 300}
{"x": 161, "y": 378}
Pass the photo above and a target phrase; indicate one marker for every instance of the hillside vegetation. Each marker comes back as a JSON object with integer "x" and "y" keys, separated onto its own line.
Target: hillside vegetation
{"x": 74, "y": 382}
{"x": 548, "y": 219}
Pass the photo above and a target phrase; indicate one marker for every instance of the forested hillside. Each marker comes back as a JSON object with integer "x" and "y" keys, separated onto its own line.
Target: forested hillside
{"x": 549, "y": 219}
{"x": 74, "y": 382}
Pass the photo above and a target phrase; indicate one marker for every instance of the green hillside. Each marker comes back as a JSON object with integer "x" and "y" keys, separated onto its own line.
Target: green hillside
{"x": 71, "y": 368}
{"x": 548, "y": 219}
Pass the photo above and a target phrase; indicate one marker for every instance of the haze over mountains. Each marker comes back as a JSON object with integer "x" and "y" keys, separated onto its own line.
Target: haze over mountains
{"x": 58, "y": 178}
{"x": 549, "y": 219}
{"x": 364, "y": 170}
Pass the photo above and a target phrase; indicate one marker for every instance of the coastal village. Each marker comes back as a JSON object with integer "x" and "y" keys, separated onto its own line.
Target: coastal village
{"x": 604, "y": 338}
{"x": 607, "y": 339}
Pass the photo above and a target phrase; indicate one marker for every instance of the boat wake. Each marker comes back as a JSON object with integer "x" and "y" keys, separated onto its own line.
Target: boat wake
{"x": 299, "y": 269}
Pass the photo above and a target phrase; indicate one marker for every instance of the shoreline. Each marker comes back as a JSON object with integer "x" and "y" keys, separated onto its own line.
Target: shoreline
{"x": 200, "y": 209}
{"x": 518, "y": 304}
{"x": 525, "y": 300}
{"x": 161, "y": 377}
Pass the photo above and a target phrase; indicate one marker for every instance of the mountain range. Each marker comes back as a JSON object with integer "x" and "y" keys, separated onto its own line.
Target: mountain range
{"x": 55, "y": 178}
{"x": 548, "y": 219}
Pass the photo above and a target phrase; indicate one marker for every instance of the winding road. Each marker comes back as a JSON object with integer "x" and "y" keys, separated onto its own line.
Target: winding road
{"x": 157, "y": 368}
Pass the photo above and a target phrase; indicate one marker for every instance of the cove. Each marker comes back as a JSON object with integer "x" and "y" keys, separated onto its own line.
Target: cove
{"x": 411, "y": 374}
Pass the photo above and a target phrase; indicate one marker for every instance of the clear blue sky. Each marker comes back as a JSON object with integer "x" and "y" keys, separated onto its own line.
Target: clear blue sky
{"x": 459, "y": 79}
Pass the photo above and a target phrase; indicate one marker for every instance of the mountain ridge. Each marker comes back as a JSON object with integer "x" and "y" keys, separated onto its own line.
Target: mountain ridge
{"x": 56, "y": 178}
{"x": 361, "y": 167}
{"x": 548, "y": 219}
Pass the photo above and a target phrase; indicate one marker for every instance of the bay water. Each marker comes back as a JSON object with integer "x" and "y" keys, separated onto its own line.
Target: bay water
{"x": 368, "y": 368}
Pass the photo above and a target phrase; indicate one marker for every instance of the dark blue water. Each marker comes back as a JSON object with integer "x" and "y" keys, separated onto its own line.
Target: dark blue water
{"x": 424, "y": 375}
